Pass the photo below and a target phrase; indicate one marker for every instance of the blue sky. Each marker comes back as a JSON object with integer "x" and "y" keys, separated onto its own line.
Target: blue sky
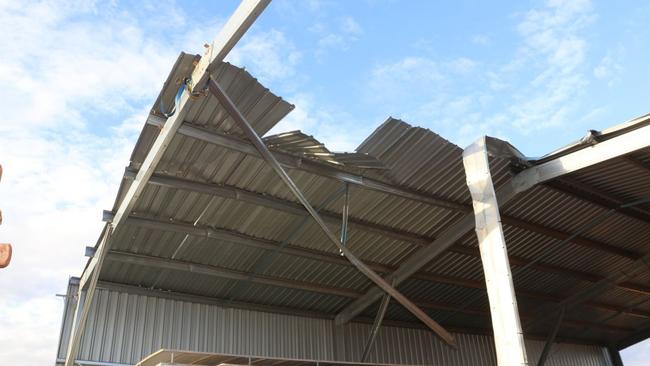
{"x": 79, "y": 78}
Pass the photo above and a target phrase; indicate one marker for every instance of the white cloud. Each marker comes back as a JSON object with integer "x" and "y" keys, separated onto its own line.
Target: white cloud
{"x": 481, "y": 39}
{"x": 608, "y": 69}
{"x": 339, "y": 37}
{"x": 553, "y": 52}
{"x": 79, "y": 79}
{"x": 539, "y": 87}
{"x": 270, "y": 54}
{"x": 350, "y": 26}
{"x": 402, "y": 78}
{"x": 328, "y": 125}
{"x": 78, "y": 82}
{"x": 76, "y": 79}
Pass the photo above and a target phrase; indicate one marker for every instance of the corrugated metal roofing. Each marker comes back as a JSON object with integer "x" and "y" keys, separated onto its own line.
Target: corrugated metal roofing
{"x": 387, "y": 228}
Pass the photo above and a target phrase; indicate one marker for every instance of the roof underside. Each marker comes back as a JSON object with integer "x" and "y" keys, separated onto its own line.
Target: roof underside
{"x": 267, "y": 253}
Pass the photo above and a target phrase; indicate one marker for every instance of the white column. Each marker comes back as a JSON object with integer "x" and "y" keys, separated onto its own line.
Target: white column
{"x": 508, "y": 337}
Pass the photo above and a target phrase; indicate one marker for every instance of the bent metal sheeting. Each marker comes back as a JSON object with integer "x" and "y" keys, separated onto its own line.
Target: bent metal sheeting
{"x": 215, "y": 221}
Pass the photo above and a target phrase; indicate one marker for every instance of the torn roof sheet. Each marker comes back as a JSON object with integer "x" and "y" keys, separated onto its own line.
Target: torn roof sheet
{"x": 233, "y": 216}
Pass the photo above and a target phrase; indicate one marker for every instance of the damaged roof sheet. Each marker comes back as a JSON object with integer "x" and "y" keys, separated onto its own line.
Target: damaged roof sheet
{"x": 272, "y": 254}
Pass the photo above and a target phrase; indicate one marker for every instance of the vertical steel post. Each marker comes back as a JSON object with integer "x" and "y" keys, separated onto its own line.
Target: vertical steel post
{"x": 615, "y": 356}
{"x": 83, "y": 307}
{"x": 381, "y": 313}
{"x": 551, "y": 338}
{"x": 344, "y": 216}
{"x": 235, "y": 27}
{"x": 254, "y": 138}
{"x": 508, "y": 336}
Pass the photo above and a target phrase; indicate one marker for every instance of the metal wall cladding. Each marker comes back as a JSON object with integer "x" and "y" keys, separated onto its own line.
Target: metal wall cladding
{"x": 125, "y": 326}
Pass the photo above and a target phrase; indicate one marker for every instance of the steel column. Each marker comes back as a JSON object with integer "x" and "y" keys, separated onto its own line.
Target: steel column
{"x": 344, "y": 216}
{"x": 551, "y": 338}
{"x": 381, "y": 313}
{"x": 232, "y": 31}
{"x": 508, "y": 336}
{"x": 83, "y": 306}
{"x": 615, "y": 356}
{"x": 614, "y": 147}
{"x": 240, "y": 120}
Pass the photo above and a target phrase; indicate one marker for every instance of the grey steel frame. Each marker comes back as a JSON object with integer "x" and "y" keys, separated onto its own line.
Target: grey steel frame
{"x": 255, "y": 139}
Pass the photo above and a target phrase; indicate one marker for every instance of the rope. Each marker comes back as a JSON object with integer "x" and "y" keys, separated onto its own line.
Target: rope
{"x": 185, "y": 84}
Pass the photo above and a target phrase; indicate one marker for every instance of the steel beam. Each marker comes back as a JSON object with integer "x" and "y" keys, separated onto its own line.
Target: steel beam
{"x": 640, "y": 335}
{"x": 263, "y": 150}
{"x": 113, "y": 286}
{"x": 636, "y": 268}
{"x": 524, "y": 180}
{"x": 214, "y": 271}
{"x": 577, "y": 240}
{"x": 232, "y": 31}
{"x": 550, "y": 268}
{"x": 82, "y": 308}
{"x": 598, "y": 197}
{"x": 411, "y": 265}
{"x": 312, "y": 166}
{"x": 326, "y": 170}
{"x": 508, "y": 336}
{"x": 345, "y": 213}
{"x": 551, "y": 338}
{"x": 381, "y": 313}
{"x": 220, "y": 272}
{"x": 271, "y": 160}
{"x": 615, "y": 147}
{"x": 327, "y": 257}
{"x": 615, "y": 356}
{"x": 264, "y": 200}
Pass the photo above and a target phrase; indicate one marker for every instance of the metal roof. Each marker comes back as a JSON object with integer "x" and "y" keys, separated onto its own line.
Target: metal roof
{"x": 216, "y": 221}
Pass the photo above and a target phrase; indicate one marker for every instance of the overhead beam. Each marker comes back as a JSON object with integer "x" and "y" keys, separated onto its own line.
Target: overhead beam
{"x": 327, "y": 170}
{"x": 577, "y": 240}
{"x": 214, "y": 271}
{"x": 381, "y": 313}
{"x": 310, "y": 165}
{"x": 269, "y": 158}
{"x": 615, "y": 356}
{"x": 120, "y": 287}
{"x": 596, "y": 196}
{"x": 549, "y": 268}
{"x": 264, "y": 200}
{"x": 614, "y": 147}
{"x": 232, "y": 31}
{"x": 639, "y": 335}
{"x": 220, "y": 272}
{"x": 631, "y": 271}
{"x": 333, "y": 258}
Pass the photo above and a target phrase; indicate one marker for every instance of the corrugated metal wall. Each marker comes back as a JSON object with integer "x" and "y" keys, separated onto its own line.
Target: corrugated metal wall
{"x": 124, "y": 327}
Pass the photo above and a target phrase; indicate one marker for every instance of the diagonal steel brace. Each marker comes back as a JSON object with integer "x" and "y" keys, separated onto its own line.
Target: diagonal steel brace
{"x": 243, "y": 124}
